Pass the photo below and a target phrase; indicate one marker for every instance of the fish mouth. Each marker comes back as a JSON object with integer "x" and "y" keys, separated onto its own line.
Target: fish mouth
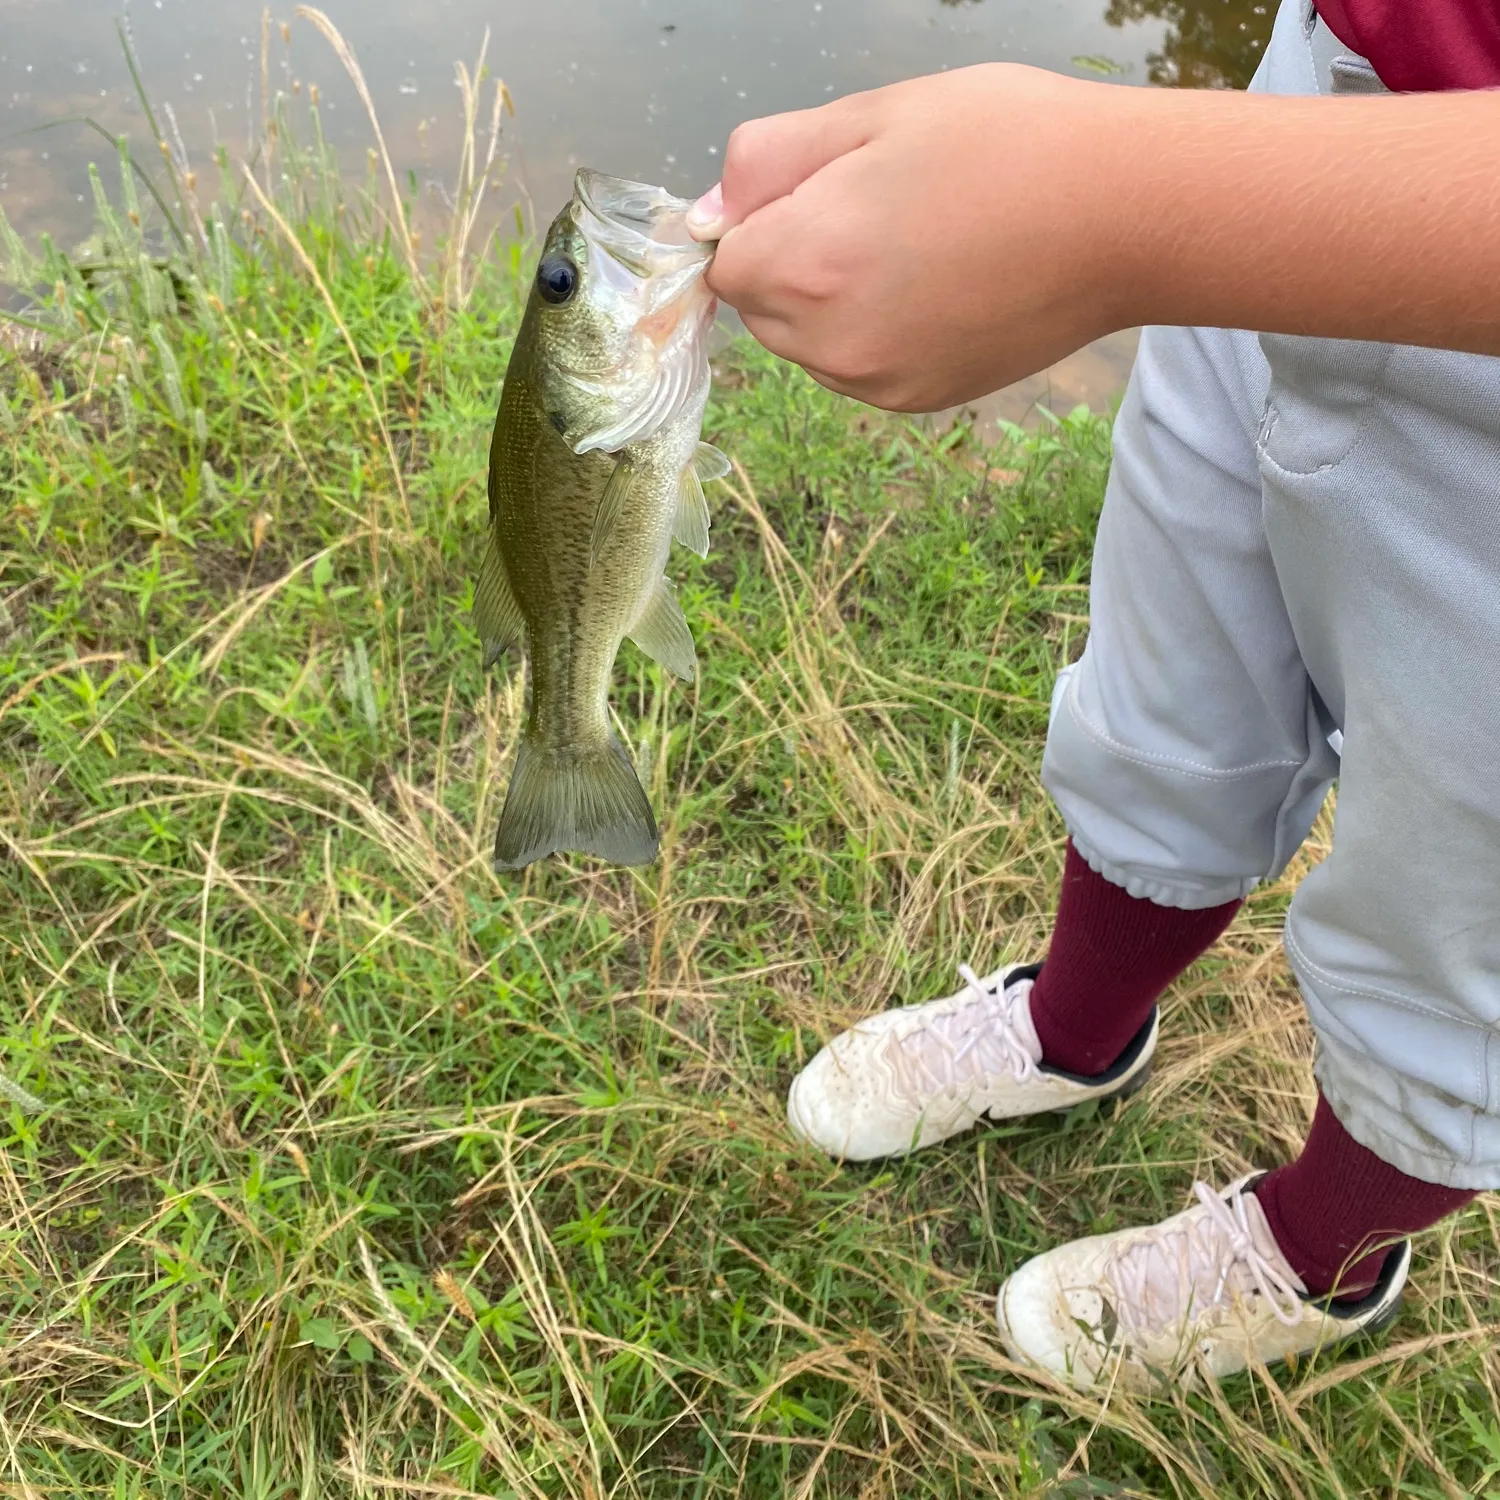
{"x": 641, "y": 226}
{"x": 646, "y": 274}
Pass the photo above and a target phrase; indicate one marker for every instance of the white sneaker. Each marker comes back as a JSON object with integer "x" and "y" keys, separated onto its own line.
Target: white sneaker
{"x": 1206, "y": 1292}
{"x": 910, "y": 1077}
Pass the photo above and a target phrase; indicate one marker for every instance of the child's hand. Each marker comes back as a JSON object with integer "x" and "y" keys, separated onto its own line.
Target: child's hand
{"x": 922, "y": 244}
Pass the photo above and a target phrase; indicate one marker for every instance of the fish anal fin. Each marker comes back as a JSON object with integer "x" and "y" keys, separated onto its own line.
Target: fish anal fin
{"x": 662, "y": 633}
{"x": 709, "y": 463}
{"x": 497, "y": 613}
{"x": 564, "y": 801}
{"x": 690, "y": 525}
{"x": 611, "y": 503}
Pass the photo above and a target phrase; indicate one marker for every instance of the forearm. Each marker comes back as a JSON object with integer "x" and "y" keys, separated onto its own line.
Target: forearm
{"x": 1370, "y": 218}
{"x": 923, "y": 244}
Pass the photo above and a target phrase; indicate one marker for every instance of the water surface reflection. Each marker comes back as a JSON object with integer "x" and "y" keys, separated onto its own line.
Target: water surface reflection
{"x": 1208, "y": 43}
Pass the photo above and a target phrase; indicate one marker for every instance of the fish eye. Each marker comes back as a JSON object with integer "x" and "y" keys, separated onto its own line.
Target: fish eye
{"x": 556, "y": 278}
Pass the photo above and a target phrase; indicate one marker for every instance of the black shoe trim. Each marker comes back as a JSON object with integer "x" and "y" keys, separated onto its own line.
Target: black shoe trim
{"x": 1121, "y": 1065}
{"x": 1026, "y": 971}
{"x": 1347, "y": 1308}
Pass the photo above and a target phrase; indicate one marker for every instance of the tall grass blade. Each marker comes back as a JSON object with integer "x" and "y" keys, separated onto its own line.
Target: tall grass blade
{"x": 126, "y": 45}
{"x": 345, "y": 55}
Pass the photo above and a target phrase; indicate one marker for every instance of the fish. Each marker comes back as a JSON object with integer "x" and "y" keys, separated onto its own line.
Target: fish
{"x": 596, "y": 467}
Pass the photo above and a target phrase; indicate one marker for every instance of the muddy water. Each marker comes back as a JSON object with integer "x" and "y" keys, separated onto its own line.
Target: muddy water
{"x": 644, "y": 88}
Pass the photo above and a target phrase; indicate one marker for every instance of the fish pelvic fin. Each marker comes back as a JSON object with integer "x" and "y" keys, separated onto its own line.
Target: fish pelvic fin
{"x": 662, "y": 633}
{"x": 576, "y": 801}
{"x": 611, "y": 503}
{"x": 497, "y": 614}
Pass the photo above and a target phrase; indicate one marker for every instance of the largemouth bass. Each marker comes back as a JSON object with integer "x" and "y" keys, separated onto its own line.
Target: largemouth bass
{"x": 595, "y": 466}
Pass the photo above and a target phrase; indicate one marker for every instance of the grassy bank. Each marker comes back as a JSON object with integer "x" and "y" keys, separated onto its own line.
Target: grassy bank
{"x": 360, "y": 1170}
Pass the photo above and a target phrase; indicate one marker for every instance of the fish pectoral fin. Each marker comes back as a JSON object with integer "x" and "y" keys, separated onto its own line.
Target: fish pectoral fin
{"x": 663, "y": 634}
{"x": 690, "y": 525}
{"x": 497, "y": 613}
{"x": 611, "y": 503}
{"x": 709, "y": 463}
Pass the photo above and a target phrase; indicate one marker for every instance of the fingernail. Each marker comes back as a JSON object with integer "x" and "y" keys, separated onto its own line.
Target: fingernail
{"x": 706, "y": 217}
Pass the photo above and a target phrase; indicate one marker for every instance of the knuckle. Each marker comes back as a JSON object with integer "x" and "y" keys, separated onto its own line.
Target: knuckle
{"x": 902, "y": 395}
{"x": 743, "y": 148}
{"x": 852, "y": 364}
{"x": 801, "y": 291}
{"x": 823, "y": 272}
{"x": 875, "y": 371}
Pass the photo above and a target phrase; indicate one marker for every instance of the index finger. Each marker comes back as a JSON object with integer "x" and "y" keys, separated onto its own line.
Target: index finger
{"x": 767, "y": 158}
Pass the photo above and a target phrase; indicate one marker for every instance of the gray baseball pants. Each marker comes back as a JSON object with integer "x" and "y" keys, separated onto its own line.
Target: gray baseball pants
{"x": 1297, "y": 580}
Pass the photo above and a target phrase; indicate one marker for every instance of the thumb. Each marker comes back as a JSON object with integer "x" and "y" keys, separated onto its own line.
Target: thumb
{"x": 767, "y": 158}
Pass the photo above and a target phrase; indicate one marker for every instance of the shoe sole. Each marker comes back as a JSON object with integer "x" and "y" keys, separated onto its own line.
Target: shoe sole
{"x": 1388, "y": 1314}
{"x": 1381, "y": 1322}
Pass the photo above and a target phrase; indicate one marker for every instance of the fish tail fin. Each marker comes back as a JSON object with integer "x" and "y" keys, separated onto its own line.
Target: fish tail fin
{"x": 584, "y": 803}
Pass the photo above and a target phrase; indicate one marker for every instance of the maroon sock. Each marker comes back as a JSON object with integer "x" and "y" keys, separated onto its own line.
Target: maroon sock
{"x": 1336, "y": 1210}
{"x": 1112, "y": 954}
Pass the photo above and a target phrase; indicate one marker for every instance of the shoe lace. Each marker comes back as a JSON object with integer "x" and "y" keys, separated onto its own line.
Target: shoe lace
{"x": 1195, "y": 1265}
{"x": 970, "y": 1044}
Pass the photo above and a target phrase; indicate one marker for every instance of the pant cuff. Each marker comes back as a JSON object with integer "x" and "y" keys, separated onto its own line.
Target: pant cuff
{"x": 1181, "y": 892}
{"x": 1358, "y": 1089}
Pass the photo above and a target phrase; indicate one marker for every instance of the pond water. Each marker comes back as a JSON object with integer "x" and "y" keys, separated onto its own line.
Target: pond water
{"x": 643, "y": 88}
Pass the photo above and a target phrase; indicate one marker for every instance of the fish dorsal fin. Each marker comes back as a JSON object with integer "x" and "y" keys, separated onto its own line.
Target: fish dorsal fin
{"x": 690, "y": 525}
{"x": 709, "y": 463}
{"x": 662, "y": 633}
{"x": 611, "y": 503}
{"x": 497, "y": 613}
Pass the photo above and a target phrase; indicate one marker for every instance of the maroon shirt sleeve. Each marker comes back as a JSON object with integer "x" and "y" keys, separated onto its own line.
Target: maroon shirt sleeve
{"x": 1420, "y": 45}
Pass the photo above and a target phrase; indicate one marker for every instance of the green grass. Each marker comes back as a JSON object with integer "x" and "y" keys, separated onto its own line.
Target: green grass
{"x": 363, "y": 1171}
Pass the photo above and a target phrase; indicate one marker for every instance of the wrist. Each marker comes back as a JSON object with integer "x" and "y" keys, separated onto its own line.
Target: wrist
{"x": 1146, "y": 201}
